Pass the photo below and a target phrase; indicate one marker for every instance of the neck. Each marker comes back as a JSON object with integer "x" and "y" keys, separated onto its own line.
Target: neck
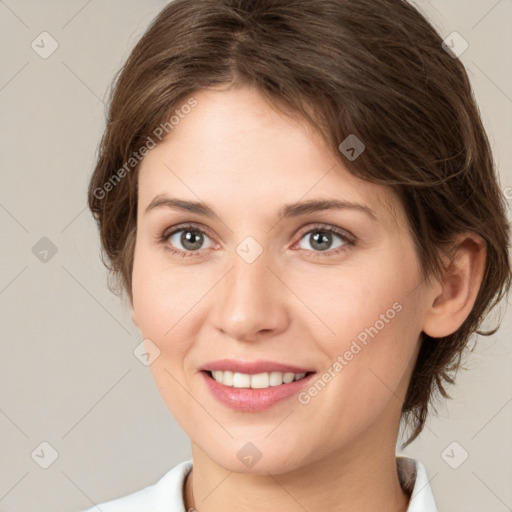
{"x": 361, "y": 480}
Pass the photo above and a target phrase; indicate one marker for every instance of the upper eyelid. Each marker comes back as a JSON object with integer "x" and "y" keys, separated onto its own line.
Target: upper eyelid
{"x": 187, "y": 225}
{"x": 340, "y": 232}
{"x": 191, "y": 226}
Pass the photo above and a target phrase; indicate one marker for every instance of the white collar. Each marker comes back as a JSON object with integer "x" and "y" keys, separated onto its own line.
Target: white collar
{"x": 414, "y": 480}
{"x": 167, "y": 494}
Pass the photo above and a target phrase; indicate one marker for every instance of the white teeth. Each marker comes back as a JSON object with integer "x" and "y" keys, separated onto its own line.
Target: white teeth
{"x": 260, "y": 381}
{"x": 276, "y": 378}
{"x": 288, "y": 377}
{"x": 227, "y": 378}
{"x": 241, "y": 380}
{"x": 256, "y": 381}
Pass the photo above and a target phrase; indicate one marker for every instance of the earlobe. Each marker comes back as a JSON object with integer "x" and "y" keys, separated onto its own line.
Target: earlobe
{"x": 460, "y": 283}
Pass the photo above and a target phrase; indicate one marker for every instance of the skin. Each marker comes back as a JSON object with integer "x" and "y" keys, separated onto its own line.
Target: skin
{"x": 294, "y": 304}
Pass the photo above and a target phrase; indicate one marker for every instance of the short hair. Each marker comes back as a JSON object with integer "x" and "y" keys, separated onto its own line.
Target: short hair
{"x": 375, "y": 69}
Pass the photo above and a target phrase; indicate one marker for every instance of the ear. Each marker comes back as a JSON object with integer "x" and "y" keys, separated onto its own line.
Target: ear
{"x": 453, "y": 297}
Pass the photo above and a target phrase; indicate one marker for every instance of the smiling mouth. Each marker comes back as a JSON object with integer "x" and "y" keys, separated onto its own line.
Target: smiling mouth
{"x": 255, "y": 381}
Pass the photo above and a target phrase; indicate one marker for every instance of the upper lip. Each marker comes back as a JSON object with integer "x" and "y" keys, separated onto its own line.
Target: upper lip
{"x": 253, "y": 367}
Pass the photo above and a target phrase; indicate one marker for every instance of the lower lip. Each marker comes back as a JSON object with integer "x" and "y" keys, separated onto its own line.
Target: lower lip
{"x": 253, "y": 400}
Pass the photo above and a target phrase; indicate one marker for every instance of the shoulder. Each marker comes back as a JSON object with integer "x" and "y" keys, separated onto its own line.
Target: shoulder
{"x": 164, "y": 495}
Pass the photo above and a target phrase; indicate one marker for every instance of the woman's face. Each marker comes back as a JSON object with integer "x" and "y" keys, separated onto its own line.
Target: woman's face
{"x": 236, "y": 268}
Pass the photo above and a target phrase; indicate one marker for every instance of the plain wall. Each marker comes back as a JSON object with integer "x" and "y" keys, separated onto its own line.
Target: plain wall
{"x": 68, "y": 375}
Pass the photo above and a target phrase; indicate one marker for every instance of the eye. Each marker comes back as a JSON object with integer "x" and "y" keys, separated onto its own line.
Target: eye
{"x": 188, "y": 240}
{"x": 185, "y": 239}
{"x": 326, "y": 239}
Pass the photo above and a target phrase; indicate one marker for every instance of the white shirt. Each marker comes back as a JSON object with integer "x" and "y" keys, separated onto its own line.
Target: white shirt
{"x": 166, "y": 495}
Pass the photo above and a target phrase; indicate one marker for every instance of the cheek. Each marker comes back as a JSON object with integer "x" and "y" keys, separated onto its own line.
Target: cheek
{"x": 369, "y": 319}
{"x": 358, "y": 301}
{"x": 164, "y": 311}
{"x": 163, "y": 299}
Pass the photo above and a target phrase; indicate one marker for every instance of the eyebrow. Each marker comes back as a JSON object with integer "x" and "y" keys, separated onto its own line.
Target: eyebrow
{"x": 287, "y": 211}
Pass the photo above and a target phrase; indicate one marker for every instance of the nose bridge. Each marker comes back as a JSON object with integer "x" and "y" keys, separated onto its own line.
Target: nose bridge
{"x": 251, "y": 298}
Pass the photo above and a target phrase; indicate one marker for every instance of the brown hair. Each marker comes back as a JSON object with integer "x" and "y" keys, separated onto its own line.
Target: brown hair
{"x": 373, "y": 68}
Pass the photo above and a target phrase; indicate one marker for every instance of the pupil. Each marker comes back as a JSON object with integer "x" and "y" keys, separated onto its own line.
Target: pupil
{"x": 191, "y": 240}
{"x": 322, "y": 240}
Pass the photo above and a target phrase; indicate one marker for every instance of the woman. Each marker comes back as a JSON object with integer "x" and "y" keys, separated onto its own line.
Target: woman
{"x": 299, "y": 200}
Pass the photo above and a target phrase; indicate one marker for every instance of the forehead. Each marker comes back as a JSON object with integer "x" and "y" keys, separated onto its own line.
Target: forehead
{"x": 234, "y": 147}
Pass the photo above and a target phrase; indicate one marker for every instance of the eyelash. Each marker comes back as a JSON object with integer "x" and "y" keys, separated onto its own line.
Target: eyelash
{"x": 348, "y": 240}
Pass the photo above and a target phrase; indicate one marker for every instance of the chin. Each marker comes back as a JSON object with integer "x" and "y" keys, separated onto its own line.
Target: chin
{"x": 256, "y": 458}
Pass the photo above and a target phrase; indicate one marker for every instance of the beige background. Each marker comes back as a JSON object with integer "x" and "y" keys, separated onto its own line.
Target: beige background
{"x": 68, "y": 375}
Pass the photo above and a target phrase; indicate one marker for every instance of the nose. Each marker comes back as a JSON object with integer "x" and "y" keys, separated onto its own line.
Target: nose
{"x": 251, "y": 301}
